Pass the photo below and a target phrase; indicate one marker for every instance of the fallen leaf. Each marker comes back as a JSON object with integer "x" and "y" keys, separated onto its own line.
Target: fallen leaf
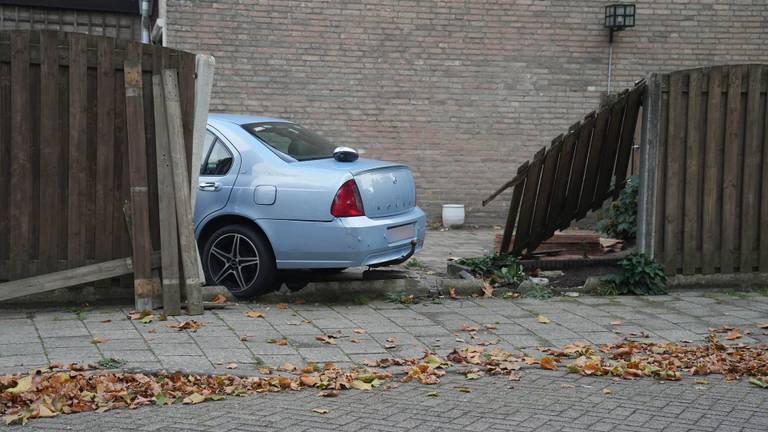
{"x": 232, "y": 366}
{"x": 514, "y": 376}
{"x": 147, "y": 319}
{"x": 763, "y": 326}
{"x": 327, "y": 339}
{"x": 219, "y": 299}
{"x": 542, "y": 319}
{"x": 194, "y": 398}
{"x": 391, "y": 339}
{"x": 328, "y": 393}
{"x": 22, "y": 385}
{"x": 733, "y": 335}
{"x": 433, "y": 394}
{"x": 617, "y": 322}
{"x": 191, "y": 325}
{"x": 244, "y": 338}
{"x": 548, "y": 363}
{"x": 487, "y": 290}
{"x": 758, "y": 382}
{"x": 282, "y": 305}
{"x": 106, "y": 321}
{"x": 452, "y": 293}
{"x": 359, "y": 331}
{"x": 98, "y": 340}
{"x": 464, "y": 389}
{"x": 320, "y": 410}
{"x": 607, "y": 391}
{"x": 254, "y": 314}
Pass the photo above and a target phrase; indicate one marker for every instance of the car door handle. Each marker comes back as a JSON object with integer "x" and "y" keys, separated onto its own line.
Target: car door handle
{"x": 209, "y": 186}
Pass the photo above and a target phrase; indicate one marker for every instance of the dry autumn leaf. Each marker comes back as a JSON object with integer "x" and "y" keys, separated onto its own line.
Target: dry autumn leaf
{"x": 98, "y": 340}
{"x": 452, "y": 293}
{"x": 616, "y": 322}
{"x": 360, "y": 331}
{"x": 733, "y": 335}
{"x": 542, "y": 319}
{"x": 232, "y": 366}
{"x": 219, "y": 299}
{"x": 548, "y": 363}
{"x": 282, "y": 305}
{"x": 320, "y": 410}
{"x": 254, "y": 314}
{"x": 763, "y": 326}
{"x": 487, "y": 290}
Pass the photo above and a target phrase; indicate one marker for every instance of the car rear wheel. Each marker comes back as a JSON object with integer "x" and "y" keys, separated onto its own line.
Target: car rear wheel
{"x": 239, "y": 258}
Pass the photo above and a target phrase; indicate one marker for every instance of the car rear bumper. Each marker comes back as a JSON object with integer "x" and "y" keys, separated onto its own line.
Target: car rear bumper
{"x": 345, "y": 242}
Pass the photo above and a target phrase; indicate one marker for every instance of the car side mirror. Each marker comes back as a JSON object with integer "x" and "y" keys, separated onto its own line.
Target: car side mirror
{"x": 345, "y": 154}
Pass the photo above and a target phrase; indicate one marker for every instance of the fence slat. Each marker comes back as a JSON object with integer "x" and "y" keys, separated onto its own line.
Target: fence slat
{"x": 523, "y": 228}
{"x": 169, "y": 240}
{"x": 675, "y": 170}
{"x": 732, "y": 172}
{"x": 751, "y": 182}
{"x": 764, "y": 196}
{"x": 577, "y": 169}
{"x": 5, "y": 166}
{"x": 634, "y": 100}
{"x": 608, "y": 153}
{"x": 21, "y": 166}
{"x": 51, "y": 194}
{"x": 105, "y": 154}
{"x": 514, "y": 210}
{"x": 562, "y": 175}
{"x": 544, "y": 197}
{"x": 692, "y": 192}
{"x": 713, "y": 154}
{"x": 137, "y": 155}
{"x": 76, "y": 189}
{"x": 593, "y": 163}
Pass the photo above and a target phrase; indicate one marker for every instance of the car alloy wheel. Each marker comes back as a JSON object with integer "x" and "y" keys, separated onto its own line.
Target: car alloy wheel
{"x": 233, "y": 261}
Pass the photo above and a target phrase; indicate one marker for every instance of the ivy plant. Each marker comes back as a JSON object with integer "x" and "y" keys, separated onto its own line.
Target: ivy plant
{"x": 640, "y": 275}
{"x": 620, "y": 220}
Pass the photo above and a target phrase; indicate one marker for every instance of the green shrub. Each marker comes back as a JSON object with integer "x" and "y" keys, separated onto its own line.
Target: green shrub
{"x": 512, "y": 274}
{"x": 640, "y": 276}
{"x": 489, "y": 264}
{"x": 620, "y": 220}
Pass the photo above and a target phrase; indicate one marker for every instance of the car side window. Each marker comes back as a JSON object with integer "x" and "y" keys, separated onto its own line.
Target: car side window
{"x": 219, "y": 160}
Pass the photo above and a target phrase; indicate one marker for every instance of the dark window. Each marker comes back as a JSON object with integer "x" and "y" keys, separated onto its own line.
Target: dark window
{"x": 218, "y": 162}
{"x": 292, "y": 140}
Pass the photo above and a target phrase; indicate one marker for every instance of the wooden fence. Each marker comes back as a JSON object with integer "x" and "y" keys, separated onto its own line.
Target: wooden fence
{"x": 65, "y": 140}
{"x": 704, "y": 182}
{"x": 579, "y": 171}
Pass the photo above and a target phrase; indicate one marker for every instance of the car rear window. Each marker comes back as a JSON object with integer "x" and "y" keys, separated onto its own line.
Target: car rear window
{"x": 292, "y": 140}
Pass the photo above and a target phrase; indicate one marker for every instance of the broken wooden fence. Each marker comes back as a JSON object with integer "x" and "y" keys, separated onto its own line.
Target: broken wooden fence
{"x": 77, "y": 140}
{"x": 575, "y": 175}
{"x": 704, "y": 184}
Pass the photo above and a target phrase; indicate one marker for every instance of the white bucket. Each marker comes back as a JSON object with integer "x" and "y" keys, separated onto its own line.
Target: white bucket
{"x": 453, "y": 215}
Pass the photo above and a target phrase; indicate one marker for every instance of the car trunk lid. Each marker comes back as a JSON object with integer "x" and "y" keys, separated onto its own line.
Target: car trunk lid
{"x": 387, "y": 190}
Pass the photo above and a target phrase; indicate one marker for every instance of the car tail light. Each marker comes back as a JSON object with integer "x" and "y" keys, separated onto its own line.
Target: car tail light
{"x": 347, "y": 201}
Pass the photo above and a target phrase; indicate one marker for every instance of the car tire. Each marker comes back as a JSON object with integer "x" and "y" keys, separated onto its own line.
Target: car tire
{"x": 241, "y": 259}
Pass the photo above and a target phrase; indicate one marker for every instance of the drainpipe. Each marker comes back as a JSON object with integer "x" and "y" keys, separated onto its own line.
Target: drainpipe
{"x": 145, "y": 21}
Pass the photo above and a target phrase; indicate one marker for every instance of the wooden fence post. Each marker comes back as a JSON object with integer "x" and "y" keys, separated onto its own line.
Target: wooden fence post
{"x": 137, "y": 160}
{"x": 169, "y": 241}
{"x": 189, "y": 253}
{"x": 649, "y": 140}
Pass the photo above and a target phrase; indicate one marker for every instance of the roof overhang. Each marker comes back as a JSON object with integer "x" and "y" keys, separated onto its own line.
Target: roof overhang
{"x": 114, "y": 6}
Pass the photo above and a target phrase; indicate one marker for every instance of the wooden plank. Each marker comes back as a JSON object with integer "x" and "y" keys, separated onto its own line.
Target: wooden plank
{"x": 105, "y": 153}
{"x": 732, "y": 161}
{"x": 186, "y": 80}
{"x": 675, "y": 171}
{"x": 20, "y": 157}
{"x": 514, "y": 209}
{"x": 169, "y": 241}
{"x": 203, "y": 86}
{"x": 544, "y": 197}
{"x": 63, "y": 177}
{"x": 692, "y": 188}
{"x": 593, "y": 163}
{"x": 649, "y": 167}
{"x": 562, "y": 178}
{"x": 577, "y": 169}
{"x": 141, "y": 240}
{"x": 763, "y": 245}
{"x": 608, "y": 153}
{"x": 750, "y": 197}
{"x": 634, "y": 100}
{"x": 5, "y": 165}
{"x": 713, "y": 154}
{"x": 523, "y": 229}
{"x": 67, "y": 278}
{"x": 76, "y": 185}
{"x": 51, "y": 196}
{"x": 660, "y": 202}
{"x": 188, "y": 246}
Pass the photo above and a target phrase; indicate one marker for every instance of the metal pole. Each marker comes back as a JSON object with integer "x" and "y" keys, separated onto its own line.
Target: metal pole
{"x": 610, "y": 64}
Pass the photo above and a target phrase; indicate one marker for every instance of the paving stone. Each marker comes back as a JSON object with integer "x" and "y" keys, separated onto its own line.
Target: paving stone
{"x": 319, "y": 355}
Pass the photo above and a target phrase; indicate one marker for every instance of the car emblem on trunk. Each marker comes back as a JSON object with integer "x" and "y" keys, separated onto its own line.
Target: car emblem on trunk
{"x": 394, "y": 180}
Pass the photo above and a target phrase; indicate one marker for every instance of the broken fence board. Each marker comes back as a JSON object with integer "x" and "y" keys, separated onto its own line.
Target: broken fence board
{"x": 189, "y": 253}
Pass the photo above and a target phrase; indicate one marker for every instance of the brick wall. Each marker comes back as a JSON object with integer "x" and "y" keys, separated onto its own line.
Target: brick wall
{"x": 461, "y": 90}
